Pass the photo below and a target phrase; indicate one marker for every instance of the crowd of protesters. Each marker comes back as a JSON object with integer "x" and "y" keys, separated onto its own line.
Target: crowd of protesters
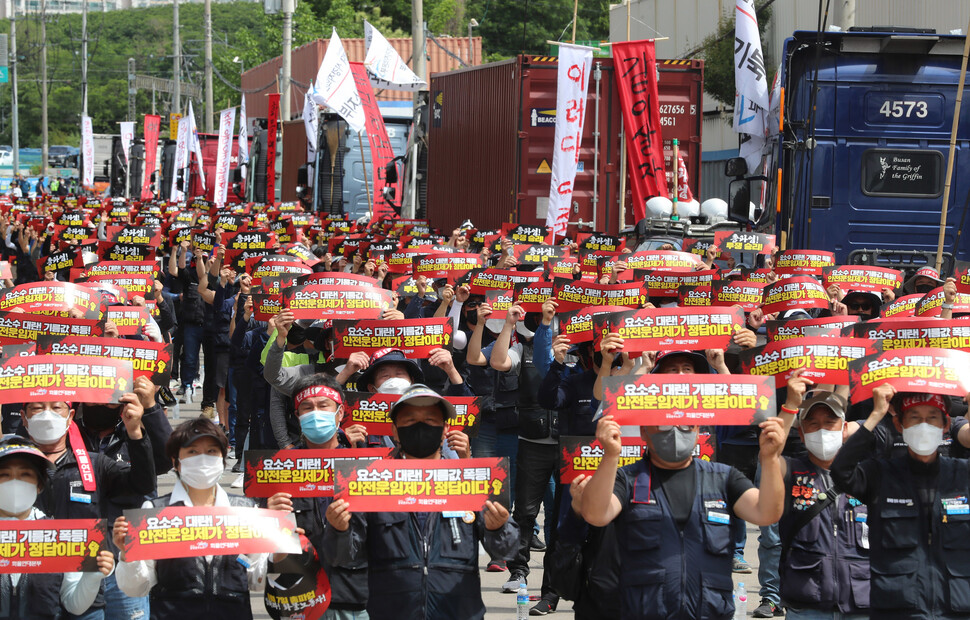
{"x": 862, "y": 506}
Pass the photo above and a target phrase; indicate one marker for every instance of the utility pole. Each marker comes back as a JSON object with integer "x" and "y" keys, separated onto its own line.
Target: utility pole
{"x": 15, "y": 129}
{"x": 207, "y": 21}
{"x": 177, "y": 63}
{"x": 287, "y": 49}
{"x": 131, "y": 89}
{"x": 418, "y": 42}
{"x": 43, "y": 88}
{"x": 84, "y": 58}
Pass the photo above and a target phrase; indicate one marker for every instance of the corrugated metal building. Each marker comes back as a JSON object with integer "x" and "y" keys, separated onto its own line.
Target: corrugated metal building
{"x": 687, "y": 22}
{"x": 263, "y": 80}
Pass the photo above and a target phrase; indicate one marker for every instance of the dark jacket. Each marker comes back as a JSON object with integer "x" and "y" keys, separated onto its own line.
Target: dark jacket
{"x": 570, "y": 391}
{"x": 36, "y": 597}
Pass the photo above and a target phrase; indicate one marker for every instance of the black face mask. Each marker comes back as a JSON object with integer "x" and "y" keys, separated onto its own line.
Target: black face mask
{"x": 472, "y": 317}
{"x": 924, "y": 288}
{"x": 100, "y": 417}
{"x": 420, "y": 440}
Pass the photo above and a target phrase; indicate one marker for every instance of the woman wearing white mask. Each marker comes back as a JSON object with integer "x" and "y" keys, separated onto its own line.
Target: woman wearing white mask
{"x": 25, "y": 472}
{"x": 194, "y": 587}
{"x": 919, "y": 515}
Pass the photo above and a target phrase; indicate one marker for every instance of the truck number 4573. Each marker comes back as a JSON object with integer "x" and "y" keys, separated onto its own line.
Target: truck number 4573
{"x": 904, "y": 109}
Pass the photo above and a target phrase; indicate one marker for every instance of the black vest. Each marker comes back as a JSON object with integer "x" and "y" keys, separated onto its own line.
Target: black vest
{"x": 36, "y": 597}
{"x": 921, "y": 567}
{"x": 535, "y": 422}
{"x": 190, "y": 588}
{"x": 672, "y": 574}
{"x": 826, "y": 567}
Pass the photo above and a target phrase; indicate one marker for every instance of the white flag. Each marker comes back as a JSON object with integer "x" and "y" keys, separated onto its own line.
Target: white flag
{"x": 243, "y": 135}
{"x": 195, "y": 146}
{"x": 127, "y": 137}
{"x": 87, "y": 151}
{"x": 571, "y": 87}
{"x": 311, "y": 122}
{"x": 226, "y": 120}
{"x": 335, "y": 86}
{"x": 181, "y": 156}
{"x": 751, "y": 87}
{"x": 385, "y": 66}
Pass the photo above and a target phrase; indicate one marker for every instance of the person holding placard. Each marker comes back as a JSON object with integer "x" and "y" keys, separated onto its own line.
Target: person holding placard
{"x": 673, "y": 514}
{"x": 201, "y": 586}
{"x": 919, "y": 515}
{"x": 24, "y": 473}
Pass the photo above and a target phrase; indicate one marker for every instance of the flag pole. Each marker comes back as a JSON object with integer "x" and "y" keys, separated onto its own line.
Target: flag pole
{"x": 953, "y": 145}
{"x": 370, "y": 203}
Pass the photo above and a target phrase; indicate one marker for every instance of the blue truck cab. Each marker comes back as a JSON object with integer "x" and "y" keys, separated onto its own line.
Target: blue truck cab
{"x": 865, "y": 169}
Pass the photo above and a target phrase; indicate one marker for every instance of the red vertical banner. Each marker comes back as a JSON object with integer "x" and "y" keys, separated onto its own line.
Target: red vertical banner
{"x": 381, "y": 152}
{"x": 271, "y": 124}
{"x": 152, "y": 125}
{"x": 635, "y": 63}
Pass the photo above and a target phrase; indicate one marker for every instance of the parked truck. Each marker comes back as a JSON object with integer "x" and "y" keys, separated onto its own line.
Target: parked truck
{"x": 867, "y": 122}
{"x": 490, "y": 142}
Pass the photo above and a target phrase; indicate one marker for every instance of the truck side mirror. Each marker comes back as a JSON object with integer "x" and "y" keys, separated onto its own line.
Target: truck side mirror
{"x": 390, "y": 172}
{"x": 736, "y": 167}
{"x": 740, "y": 200}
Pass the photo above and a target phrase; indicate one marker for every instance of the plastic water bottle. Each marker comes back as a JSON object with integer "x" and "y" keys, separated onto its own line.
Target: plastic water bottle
{"x": 522, "y": 602}
{"x": 740, "y": 602}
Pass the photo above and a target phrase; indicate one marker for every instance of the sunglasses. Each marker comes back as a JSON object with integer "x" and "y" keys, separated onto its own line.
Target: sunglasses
{"x": 861, "y": 307}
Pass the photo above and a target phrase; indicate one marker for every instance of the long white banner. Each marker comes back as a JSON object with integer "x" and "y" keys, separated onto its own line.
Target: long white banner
{"x": 226, "y": 120}
{"x": 87, "y": 151}
{"x": 571, "y": 88}
{"x": 181, "y": 157}
{"x": 127, "y": 137}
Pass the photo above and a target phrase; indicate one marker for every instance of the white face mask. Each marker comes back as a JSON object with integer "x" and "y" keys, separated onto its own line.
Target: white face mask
{"x": 201, "y": 471}
{"x": 923, "y": 438}
{"x": 46, "y": 427}
{"x": 17, "y": 496}
{"x": 823, "y": 444}
{"x": 394, "y": 385}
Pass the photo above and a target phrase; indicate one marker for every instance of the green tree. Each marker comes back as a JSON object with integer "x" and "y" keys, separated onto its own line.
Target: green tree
{"x": 717, "y": 50}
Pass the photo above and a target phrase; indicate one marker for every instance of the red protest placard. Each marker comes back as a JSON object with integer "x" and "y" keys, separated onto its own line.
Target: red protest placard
{"x": 600, "y": 242}
{"x": 194, "y": 531}
{"x": 578, "y": 324}
{"x": 115, "y": 268}
{"x": 109, "y": 251}
{"x": 931, "y": 304}
{"x": 446, "y": 265}
{"x": 372, "y": 411}
{"x": 924, "y": 370}
{"x": 500, "y": 301}
{"x": 273, "y": 269}
{"x": 537, "y": 253}
{"x": 672, "y": 329}
{"x": 521, "y": 233}
{"x": 64, "y": 377}
{"x": 300, "y": 472}
{"x": 748, "y": 295}
{"x": 415, "y": 337}
{"x": 664, "y": 283}
{"x": 799, "y": 292}
{"x": 266, "y": 306}
{"x": 141, "y": 235}
{"x": 661, "y": 260}
{"x": 658, "y": 400}
{"x": 911, "y": 333}
{"x": 903, "y": 307}
{"x": 862, "y": 278}
{"x": 56, "y": 261}
{"x": 581, "y": 456}
{"x": 148, "y": 359}
{"x": 962, "y": 277}
{"x": 694, "y": 296}
{"x": 483, "y": 280}
{"x": 57, "y": 299}
{"x": 795, "y": 328}
{"x": 531, "y": 296}
{"x": 135, "y": 284}
{"x": 130, "y": 320}
{"x": 733, "y": 241}
{"x": 441, "y": 485}
{"x": 573, "y": 295}
{"x": 316, "y": 301}
{"x": 331, "y": 278}
{"x": 274, "y": 286}
{"x": 825, "y": 360}
{"x": 51, "y": 545}
{"x": 803, "y": 262}
{"x": 563, "y": 268}
{"x": 24, "y": 327}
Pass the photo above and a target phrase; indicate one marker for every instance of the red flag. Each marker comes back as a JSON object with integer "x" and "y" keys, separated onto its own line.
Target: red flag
{"x": 683, "y": 189}
{"x": 152, "y": 123}
{"x": 636, "y": 70}
{"x": 381, "y": 152}
{"x": 272, "y": 120}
